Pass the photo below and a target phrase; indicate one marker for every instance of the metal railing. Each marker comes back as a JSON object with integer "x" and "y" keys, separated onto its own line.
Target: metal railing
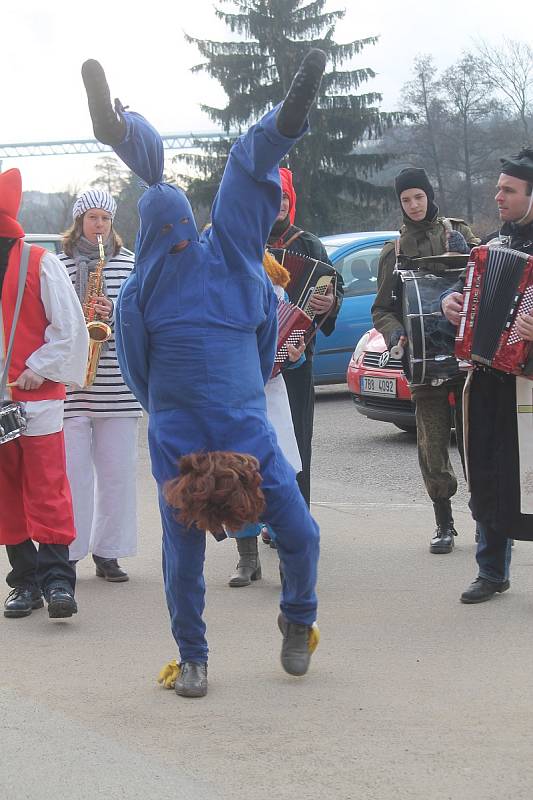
{"x": 171, "y": 141}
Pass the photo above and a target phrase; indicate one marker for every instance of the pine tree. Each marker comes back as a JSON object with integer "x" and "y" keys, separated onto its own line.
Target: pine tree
{"x": 332, "y": 166}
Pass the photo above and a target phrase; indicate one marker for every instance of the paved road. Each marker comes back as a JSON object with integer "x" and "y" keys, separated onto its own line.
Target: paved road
{"x": 411, "y": 695}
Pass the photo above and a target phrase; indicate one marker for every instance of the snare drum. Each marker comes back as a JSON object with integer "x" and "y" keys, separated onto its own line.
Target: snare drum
{"x": 12, "y": 422}
{"x": 429, "y": 357}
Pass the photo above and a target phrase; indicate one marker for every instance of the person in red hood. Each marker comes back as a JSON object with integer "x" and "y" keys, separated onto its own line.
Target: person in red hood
{"x": 286, "y": 235}
{"x": 50, "y": 349}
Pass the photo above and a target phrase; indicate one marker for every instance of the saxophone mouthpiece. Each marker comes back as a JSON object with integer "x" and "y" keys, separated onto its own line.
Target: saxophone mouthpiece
{"x": 100, "y": 241}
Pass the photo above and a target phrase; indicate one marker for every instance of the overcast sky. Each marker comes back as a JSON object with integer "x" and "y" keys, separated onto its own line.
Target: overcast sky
{"x": 148, "y": 62}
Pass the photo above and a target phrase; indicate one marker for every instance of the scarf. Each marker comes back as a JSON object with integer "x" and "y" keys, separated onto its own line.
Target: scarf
{"x": 86, "y": 256}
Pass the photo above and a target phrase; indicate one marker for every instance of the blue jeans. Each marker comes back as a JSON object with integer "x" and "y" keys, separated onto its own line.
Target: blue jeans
{"x": 493, "y": 554}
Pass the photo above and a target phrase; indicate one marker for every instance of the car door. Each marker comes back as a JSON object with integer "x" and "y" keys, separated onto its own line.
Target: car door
{"x": 358, "y": 265}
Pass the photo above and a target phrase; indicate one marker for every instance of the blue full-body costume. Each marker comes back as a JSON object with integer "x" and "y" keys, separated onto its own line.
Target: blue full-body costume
{"x": 196, "y": 337}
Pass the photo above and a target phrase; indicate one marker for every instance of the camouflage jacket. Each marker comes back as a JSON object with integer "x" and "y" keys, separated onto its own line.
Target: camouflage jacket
{"x": 417, "y": 239}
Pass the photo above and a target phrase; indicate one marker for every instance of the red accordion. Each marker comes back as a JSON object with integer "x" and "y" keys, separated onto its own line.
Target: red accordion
{"x": 498, "y": 288}
{"x": 293, "y": 324}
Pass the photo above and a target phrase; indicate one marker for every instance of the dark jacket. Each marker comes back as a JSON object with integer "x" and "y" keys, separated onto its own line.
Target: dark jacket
{"x": 307, "y": 244}
{"x": 493, "y": 455}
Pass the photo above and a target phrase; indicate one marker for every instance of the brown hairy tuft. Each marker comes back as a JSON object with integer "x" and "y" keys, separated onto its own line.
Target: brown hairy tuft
{"x": 217, "y": 489}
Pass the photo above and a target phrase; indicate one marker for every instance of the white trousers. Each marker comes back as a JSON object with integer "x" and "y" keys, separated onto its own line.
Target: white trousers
{"x": 101, "y": 468}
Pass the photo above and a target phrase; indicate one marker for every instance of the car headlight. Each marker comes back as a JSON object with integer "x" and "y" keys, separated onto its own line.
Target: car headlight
{"x": 361, "y": 346}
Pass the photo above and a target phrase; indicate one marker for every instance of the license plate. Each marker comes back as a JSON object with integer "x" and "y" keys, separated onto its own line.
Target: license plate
{"x": 383, "y": 386}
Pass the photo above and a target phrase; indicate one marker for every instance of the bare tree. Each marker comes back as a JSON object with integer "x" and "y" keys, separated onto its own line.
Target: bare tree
{"x": 421, "y": 97}
{"x": 469, "y": 103}
{"x": 509, "y": 69}
{"x": 110, "y": 175}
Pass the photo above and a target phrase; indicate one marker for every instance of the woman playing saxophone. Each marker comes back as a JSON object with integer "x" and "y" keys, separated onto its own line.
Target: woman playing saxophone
{"x": 101, "y": 419}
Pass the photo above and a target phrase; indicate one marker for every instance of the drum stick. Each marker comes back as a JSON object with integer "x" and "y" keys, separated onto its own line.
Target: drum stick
{"x": 397, "y": 351}
{"x": 11, "y": 385}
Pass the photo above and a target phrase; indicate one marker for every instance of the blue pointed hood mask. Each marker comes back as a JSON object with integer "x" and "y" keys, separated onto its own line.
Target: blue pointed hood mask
{"x": 167, "y": 220}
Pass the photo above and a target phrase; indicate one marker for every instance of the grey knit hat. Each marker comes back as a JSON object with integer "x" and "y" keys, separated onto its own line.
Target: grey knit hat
{"x": 94, "y": 198}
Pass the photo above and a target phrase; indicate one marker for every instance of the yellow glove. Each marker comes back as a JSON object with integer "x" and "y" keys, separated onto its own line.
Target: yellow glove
{"x": 168, "y": 675}
{"x": 314, "y": 638}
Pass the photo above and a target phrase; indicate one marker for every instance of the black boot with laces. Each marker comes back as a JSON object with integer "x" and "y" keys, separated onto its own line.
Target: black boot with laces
{"x": 443, "y": 538}
{"x": 22, "y": 600}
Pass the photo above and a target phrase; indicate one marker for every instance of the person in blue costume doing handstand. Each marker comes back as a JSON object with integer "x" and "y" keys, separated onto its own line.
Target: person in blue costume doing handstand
{"x": 196, "y": 332}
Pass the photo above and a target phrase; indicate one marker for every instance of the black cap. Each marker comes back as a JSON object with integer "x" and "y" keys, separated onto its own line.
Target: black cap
{"x": 519, "y": 166}
{"x": 414, "y": 178}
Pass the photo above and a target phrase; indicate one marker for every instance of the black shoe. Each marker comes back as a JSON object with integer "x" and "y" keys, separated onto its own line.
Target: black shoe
{"x": 301, "y": 96}
{"x": 22, "y": 600}
{"x": 299, "y": 643}
{"x": 443, "y": 540}
{"x": 110, "y": 569}
{"x": 445, "y": 533}
{"x": 108, "y": 125}
{"x": 61, "y": 603}
{"x": 481, "y": 590}
{"x": 192, "y": 680}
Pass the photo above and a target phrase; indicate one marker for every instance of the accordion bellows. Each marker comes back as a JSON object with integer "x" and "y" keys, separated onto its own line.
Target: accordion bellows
{"x": 293, "y": 324}
{"x": 498, "y": 288}
{"x": 308, "y": 276}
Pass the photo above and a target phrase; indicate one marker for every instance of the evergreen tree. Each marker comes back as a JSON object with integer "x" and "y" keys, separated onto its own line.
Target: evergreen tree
{"x": 333, "y": 164}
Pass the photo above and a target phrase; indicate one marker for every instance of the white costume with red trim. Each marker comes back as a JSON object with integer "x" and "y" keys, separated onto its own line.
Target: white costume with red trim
{"x": 51, "y": 339}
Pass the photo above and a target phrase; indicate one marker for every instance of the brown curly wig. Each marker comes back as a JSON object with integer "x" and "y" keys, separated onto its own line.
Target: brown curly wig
{"x": 215, "y": 490}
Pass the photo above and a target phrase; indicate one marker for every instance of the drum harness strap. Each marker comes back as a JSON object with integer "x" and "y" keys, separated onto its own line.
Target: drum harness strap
{"x": 23, "y": 271}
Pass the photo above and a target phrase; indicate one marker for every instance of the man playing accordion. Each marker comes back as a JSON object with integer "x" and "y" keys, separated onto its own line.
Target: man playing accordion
{"x": 498, "y": 413}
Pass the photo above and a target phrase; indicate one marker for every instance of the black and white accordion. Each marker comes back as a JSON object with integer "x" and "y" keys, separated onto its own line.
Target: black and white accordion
{"x": 308, "y": 276}
{"x": 498, "y": 288}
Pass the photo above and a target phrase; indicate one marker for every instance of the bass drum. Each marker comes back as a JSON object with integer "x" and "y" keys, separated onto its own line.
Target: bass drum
{"x": 429, "y": 357}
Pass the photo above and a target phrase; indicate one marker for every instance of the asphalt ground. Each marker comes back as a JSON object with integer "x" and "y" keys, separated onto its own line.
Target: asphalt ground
{"x": 410, "y": 694}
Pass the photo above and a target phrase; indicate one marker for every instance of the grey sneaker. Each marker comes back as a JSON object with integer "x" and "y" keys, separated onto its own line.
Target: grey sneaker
{"x": 192, "y": 680}
{"x": 299, "y": 643}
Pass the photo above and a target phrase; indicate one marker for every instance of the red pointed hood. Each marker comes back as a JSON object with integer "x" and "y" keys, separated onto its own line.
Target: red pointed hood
{"x": 10, "y": 197}
{"x": 288, "y": 188}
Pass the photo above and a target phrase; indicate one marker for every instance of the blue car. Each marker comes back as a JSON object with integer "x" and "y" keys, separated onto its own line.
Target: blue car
{"x": 356, "y": 257}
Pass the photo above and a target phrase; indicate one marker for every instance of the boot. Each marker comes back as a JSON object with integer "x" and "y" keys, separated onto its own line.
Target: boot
{"x": 110, "y": 569}
{"x": 191, "y": 680}
{"x": 299, "y": 643}
{"x": 22, "y": 600}
{"x": 301, "y": 96}
{"x": 61, "y": 602}
{"x": 249, "y": 566}
{"x": 443, "y": 538}
{"x": 108, "y": 125}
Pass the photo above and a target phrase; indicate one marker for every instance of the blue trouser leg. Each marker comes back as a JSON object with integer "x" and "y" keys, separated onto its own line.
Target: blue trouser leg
{"x": 297, "y": 538}
{"x": 183, "y": 573}
{"x": 493, "y": 554}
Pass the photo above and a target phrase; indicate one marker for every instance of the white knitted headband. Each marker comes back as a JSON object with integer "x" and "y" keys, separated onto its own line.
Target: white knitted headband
{"x": 94, "y": 198}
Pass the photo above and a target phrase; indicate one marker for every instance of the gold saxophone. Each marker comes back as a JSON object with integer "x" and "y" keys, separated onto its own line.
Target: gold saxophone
{"x": 99, "y": 331}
